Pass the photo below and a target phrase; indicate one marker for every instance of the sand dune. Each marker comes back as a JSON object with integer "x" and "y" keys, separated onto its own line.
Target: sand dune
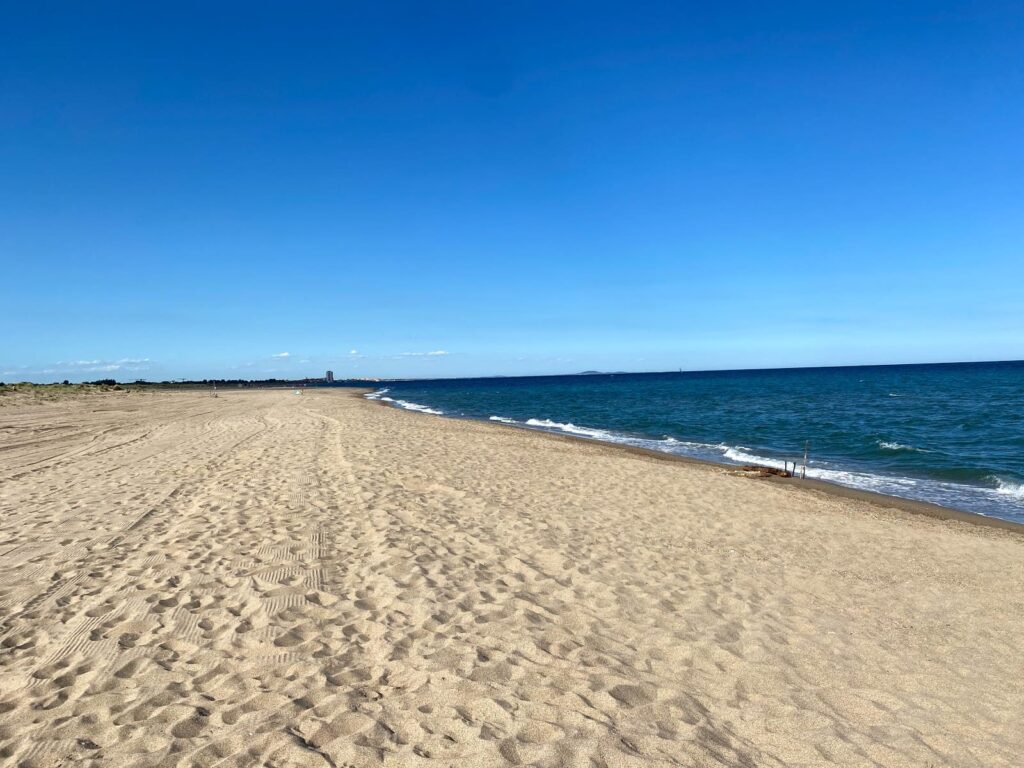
{"x": 265, "y": 579}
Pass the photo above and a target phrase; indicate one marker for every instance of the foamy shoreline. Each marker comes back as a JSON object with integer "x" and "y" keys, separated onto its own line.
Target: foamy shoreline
{"x": 822, "y": 485}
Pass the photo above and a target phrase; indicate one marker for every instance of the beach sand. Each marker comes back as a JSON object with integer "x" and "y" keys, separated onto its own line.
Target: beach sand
{"x": 266, "y": 579}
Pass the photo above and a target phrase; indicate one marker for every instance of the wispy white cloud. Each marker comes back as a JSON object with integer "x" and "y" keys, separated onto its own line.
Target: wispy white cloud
{"x": 282, "y": 354}
{"x": 75, "y": 368}
{"x": 435, "y": 353}
{"x": 353, "y": 351}
{"x": 127, "y": 363}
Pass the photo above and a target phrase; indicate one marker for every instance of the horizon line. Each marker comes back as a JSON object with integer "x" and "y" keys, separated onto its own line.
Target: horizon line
{"x": 376, "y": 379}
{"x": 704, "y": 370}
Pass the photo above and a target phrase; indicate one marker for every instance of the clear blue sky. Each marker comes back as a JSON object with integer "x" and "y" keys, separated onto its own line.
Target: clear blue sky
{"x": 189, "y": 189}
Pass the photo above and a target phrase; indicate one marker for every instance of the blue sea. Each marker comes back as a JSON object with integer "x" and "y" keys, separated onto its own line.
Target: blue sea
{"x": 951, "y": 434}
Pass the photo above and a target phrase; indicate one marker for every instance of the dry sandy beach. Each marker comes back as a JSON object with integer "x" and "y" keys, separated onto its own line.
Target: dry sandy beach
{"x": 266, "y": 579}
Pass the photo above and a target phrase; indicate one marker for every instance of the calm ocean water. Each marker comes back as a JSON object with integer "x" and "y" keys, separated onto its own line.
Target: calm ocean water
{"x": 950, "y": 434}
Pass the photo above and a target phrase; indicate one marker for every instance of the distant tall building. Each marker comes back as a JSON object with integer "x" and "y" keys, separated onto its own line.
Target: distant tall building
{"x": 330, "y": 376}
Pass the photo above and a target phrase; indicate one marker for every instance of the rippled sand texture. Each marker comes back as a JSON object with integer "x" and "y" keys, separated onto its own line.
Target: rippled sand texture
{"x": 265, "y": 579}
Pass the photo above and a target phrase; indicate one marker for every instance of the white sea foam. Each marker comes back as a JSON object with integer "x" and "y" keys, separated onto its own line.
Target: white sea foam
{"x": 885, "y": 484}
{"x": 666, "y": 444}
{"x": 414, "y": 407}
{"x": 1006, "y": 488}
{"x": 891, "y": 446}
{"x": 739, "y": 454}
{"x": 895, "y": 486}
{"x": 1000, "y": 494}
{"x": 381, "y": 394}
{"x": 572, "y": 429}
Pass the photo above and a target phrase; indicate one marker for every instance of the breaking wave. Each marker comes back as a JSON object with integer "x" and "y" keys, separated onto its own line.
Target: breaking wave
{"x": 1007, "y": 488}
{"x": 890, "y": 446}
{"x": 404, "y": 404}
{"x": 873, "y": 463}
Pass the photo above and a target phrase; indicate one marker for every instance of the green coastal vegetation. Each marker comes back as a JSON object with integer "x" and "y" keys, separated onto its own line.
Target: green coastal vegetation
{"x": 64, "y": 389}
